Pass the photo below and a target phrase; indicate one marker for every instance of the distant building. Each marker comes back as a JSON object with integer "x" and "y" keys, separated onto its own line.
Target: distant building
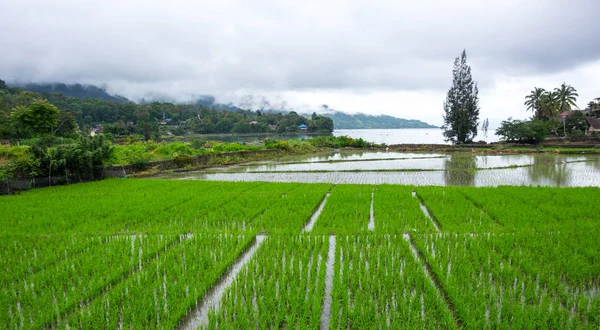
{"x": 254, "y": 122}
{"x": 273, "y": 127}
{"x": 97, "y": 129}
{"x": 302, "y": 127}
{"x": 594, "y": 127}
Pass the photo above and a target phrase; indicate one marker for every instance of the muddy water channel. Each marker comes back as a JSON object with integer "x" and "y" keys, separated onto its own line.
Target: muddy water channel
{"x": 457, "y": 169}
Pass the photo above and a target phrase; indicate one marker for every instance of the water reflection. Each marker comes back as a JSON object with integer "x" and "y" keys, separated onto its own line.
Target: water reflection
{"x": 549, "y": 169}
{"x": 460, "y": 169}
{"x": 456, "y": 169}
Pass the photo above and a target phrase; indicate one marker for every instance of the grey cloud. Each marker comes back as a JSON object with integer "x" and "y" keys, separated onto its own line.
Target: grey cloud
{"x": 210, "y": 47}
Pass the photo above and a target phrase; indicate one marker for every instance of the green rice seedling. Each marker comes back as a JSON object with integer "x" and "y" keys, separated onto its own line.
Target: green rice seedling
{"x": 490, "y": 289}
{"x": 347, "y": 210}
{"x": 160, "y": 294}
{"x": 454, "y": 212}
{"x": 397, "y": 211}
{"x": 24, "y": 256}
{"x": 378, "y": 284}
{"x": 290, "y": 212}
{"x": 281, "y": 287}
{"x": 41, "y": 298}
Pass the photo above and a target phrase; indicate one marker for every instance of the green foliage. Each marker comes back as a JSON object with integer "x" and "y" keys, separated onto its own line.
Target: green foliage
{"x": 339, "y": 142}
{"x": 198, "y": 144}
{"x": 183, "y": 160}
{"x": 461, "y": 108}
{"x": 533, "y": 131}
{"x": 576, "y": 122}
{"x": 135, "y": 154}
{"x": 40, "y": 117}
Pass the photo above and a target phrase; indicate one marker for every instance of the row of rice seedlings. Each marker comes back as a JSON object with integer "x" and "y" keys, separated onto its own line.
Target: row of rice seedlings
{"x": 251, "y": 204}
{"x": 160, "y": 294}
{"x": 488, "y": 291}
{"x": 221, "y": 209}
{"x": 455, "y": 212}
{"x": 147, "y": 210}
{"x": 566, "y": 209}
{"x": 43, "y": 297}
{"x": 378, "y": 284}
{"x": 397, "y": 211}
{"x": 194, "y": 206}
{"x": 281, "y": 287}
{"x": 576, "y": 210}
{"x": 347, "y": 210}
{"x": 104, "y": 213}
{"x": 566, "y": 265}
{"x": 26, "y": 255}
{"x": 289, "y": 213}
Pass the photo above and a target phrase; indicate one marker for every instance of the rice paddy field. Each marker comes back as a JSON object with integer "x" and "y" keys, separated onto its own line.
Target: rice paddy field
{"x": 166, "y": 254}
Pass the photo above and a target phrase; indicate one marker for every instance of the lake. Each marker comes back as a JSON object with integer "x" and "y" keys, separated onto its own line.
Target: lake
{"x": 387, "y": 136}
{"x": 439, "y": 169}
{"x": 406, "y": 135}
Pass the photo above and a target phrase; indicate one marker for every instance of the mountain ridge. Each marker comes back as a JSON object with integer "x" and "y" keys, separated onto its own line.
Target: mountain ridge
{"x": 341, "y": 120}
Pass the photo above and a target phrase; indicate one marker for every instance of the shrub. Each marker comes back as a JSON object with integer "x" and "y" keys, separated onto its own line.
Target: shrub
{"x": 183, "y": 160}
{"x": 519, "y": 131}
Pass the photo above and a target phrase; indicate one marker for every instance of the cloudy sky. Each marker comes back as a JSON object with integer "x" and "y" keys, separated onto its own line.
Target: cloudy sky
{"x": 377, "y": 57}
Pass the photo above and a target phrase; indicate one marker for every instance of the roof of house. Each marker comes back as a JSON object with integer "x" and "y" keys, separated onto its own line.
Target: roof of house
{"x": 564, "y": 114}
{"x": 254, "y": 122}
{"x": 302, "y": 126}
{"x": 594, "y": 122}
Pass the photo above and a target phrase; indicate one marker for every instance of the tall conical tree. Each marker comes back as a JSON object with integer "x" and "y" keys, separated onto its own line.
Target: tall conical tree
{"x": 461, "y": 108}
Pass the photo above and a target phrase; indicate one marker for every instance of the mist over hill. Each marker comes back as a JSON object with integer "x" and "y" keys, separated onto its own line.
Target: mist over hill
{"x": 73, "y": 90}
{"x": 340, "y": 119}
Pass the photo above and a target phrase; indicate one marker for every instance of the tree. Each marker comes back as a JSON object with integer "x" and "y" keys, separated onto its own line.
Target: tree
{"x": 534, "y": 101}
{"x": 549, "y": 106}
{"x": 534, "y": 131}
{"x": 67, "y": 126}
{"x": 566, "y": 96}
{"x": 461, "y": 108}
{"x": 40, "y": 117}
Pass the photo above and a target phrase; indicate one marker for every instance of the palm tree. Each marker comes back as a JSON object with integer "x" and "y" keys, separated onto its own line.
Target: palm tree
{"x": 566, "y": 96}
{"x": 534, "y": 103}
{"x": 548, "y": 105}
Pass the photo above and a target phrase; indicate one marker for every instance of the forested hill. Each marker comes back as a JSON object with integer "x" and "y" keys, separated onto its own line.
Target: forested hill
{"x": 73, "y": 90}
{"x": 340, "y": 120}
{"x": 345, "y": 121}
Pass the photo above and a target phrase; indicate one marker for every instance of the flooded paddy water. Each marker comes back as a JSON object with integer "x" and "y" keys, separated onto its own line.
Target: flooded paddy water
{"x": 438, "y": 169}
